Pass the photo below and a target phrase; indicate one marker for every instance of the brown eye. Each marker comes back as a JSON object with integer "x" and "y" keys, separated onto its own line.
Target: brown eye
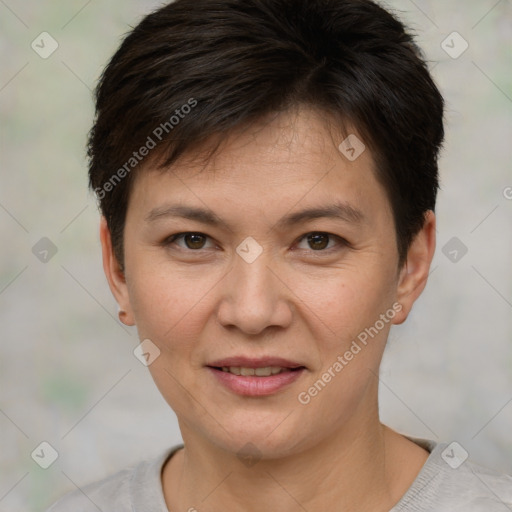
{"x": 192, "y": 241}
{"x": 318, "y": 241}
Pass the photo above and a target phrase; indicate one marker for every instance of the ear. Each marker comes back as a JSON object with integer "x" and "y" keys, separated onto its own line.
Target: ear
{"x": 115, "y": 276}
{"x": 414, "y": 274}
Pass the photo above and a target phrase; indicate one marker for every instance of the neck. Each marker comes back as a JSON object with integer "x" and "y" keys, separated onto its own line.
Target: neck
{"x": 367, "y": 468}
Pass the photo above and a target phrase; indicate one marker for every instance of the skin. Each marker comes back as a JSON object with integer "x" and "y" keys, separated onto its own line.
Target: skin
{"x": 294, "y": 301}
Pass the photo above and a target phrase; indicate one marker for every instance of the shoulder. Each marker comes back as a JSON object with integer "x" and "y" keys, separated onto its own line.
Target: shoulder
{"x": 479, "y": 488}
{"x": 121, "y": 491}
{"x": 450, "y": 482}
{"x": 112, "y": 491}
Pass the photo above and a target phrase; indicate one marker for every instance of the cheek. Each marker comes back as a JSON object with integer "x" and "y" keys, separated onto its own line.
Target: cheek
{"x": 168, "y": 306}
{"x": 172, "y": 307}
{"x": 350, "y": 336}
{"x": 346, "y": 301}
{"x": 170, "y": 310}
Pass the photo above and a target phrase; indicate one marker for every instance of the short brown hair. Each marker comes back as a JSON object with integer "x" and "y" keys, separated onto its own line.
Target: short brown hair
{"x": 227, "y": 63}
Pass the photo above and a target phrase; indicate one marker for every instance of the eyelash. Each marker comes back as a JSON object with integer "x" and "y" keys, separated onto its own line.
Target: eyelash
{"x": 341, "y": 241}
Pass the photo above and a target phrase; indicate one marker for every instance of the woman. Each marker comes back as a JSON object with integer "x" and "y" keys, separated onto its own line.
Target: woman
{"x": 267, "y": 178}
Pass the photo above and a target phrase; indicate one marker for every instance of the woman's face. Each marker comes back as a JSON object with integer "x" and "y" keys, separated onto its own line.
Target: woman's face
{"x": 254, "y": 279}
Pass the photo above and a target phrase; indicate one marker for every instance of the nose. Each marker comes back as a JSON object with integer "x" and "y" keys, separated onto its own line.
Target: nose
{"x": 254, "y": 297}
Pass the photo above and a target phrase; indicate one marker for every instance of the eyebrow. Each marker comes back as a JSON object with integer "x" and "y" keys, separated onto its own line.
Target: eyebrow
{"x": 340, "y": 210}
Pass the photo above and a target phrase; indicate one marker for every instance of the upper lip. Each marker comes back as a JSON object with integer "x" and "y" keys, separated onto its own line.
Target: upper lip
{"x": 255, "y": 362}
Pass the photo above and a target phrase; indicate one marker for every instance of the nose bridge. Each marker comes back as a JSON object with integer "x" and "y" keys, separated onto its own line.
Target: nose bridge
{"x": 254, "y": 297}
{"x": 255, "y": 276}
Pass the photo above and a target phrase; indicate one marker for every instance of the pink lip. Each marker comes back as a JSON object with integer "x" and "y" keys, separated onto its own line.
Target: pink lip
{"x": 252, "y": 385}
{"x": 256, "y": 386}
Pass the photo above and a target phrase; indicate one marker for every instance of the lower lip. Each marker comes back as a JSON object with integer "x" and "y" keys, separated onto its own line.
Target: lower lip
{"x": 256, "y": 386}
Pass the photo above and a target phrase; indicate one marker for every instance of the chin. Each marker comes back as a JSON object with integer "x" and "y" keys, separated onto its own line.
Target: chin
{"x": 259, "y": 437}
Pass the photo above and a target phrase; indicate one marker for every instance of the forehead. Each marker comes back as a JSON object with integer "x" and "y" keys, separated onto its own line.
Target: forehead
{"x": 289, "y": 159}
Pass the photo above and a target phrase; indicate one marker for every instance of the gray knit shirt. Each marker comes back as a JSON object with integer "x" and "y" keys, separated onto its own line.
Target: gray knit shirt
{"x": 447, "y": 482}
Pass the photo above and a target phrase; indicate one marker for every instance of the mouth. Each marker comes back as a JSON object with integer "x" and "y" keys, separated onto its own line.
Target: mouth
{"x": 261, "y": 367}
{"x": 256, "y": 377}
{"x": 263, "y": 371}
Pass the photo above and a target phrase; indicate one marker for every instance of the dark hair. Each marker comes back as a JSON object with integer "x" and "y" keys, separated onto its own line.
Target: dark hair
{"x": 196, "y": 70}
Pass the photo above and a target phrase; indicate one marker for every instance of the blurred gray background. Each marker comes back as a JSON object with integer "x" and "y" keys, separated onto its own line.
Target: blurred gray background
{"x": 67, "y": 372}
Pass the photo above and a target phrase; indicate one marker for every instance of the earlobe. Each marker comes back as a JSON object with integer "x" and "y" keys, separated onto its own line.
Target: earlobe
{"x": 115, "y": 275}
{"x": 414, "y": 274}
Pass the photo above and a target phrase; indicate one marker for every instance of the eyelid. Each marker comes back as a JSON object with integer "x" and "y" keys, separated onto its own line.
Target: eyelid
{"x": 172, "y": 238}
{"x": 342, "y": 242}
